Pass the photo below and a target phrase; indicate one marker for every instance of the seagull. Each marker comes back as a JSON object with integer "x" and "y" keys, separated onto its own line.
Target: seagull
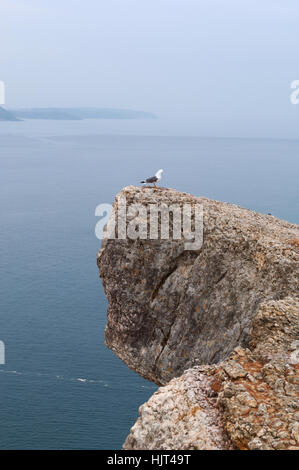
{"x": 154, "y": 179}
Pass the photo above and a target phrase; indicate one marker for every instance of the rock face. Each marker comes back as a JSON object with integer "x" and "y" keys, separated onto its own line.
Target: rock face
{"x": 248, "y": 401}
{"x": 219, "y": 325}
{"x": 170, "y": 309}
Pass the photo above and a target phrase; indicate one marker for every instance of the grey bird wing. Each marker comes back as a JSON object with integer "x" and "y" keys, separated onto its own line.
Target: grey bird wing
{"x": 152, "y": 179}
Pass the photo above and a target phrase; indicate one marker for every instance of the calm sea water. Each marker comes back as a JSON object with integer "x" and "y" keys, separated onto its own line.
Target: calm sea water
{"x": 61, "y": 388}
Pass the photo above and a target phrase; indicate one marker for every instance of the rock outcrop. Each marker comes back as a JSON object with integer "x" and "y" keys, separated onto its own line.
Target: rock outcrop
{"x": 218, "y": 325}
{"x": 249, "y": 401}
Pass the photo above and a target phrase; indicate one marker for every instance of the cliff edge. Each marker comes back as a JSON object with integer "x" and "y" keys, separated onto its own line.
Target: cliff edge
{"x": 218, "y": 325}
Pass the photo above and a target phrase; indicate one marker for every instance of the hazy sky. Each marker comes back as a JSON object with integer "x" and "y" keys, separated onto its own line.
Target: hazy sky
{"x": 206, "y": 67}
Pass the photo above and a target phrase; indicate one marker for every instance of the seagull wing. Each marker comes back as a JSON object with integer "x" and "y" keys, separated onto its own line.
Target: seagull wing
{"x": 152, "y": 179}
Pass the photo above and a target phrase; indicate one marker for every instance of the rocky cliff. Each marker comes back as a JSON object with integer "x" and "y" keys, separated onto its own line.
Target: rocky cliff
{"x": 218, "y": 325}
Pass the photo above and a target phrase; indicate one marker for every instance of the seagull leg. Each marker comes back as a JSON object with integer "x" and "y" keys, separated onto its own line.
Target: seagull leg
{"x": 155, "y": 186}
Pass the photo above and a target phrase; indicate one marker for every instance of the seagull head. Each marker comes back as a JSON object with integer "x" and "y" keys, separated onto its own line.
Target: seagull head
{"x": 159, "y": 173}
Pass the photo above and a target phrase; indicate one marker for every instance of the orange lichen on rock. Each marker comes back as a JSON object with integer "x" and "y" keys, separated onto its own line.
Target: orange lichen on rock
{"x": 294, "y": 242}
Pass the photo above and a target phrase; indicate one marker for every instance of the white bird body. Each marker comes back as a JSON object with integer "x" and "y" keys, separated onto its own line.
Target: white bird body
{"x": 154, "y": 179}
{"x": 159, "y": 175}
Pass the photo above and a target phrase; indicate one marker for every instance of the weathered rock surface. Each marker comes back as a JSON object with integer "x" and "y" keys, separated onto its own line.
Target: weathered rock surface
{"x": 171, "y": 309}
{"x": 219, "y": 326}
{"x": 248, "y": 401}
{"x": 181, "y": 415}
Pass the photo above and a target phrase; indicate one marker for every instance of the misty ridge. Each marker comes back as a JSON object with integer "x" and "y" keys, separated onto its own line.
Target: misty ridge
{"x": 7, "y": 115}
{"x": 73, "y": 114}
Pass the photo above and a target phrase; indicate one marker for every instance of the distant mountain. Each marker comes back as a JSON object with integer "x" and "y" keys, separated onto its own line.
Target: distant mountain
{"x": 80, "y": 113}
{"x": 7, "y": 115}
{"x": 46, "y": 113}
{"x": 111, "y": 113}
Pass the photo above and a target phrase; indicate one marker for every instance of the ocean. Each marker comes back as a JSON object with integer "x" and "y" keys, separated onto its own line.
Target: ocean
{"x": 60, "y": 387}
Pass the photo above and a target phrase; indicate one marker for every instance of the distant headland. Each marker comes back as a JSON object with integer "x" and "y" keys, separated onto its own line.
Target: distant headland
{"x": 7, "y": 115}
{"x": 73, "y": 114}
